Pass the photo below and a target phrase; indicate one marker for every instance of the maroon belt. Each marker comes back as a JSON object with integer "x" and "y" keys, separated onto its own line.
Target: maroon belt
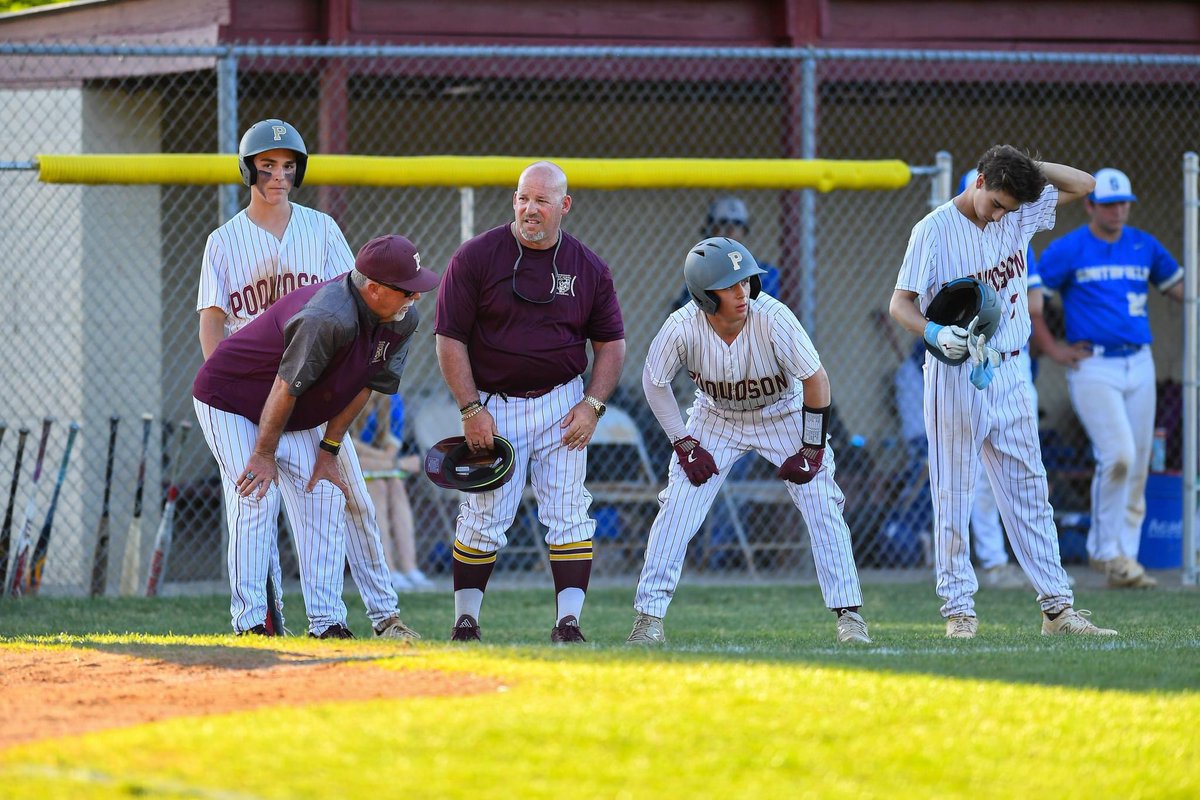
{"x": 1010, "y": 354}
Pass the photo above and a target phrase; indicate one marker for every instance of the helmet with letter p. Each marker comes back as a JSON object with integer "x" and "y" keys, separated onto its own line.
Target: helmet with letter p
{"x": 270, "y": 134}
{"x": 718, "y": 263}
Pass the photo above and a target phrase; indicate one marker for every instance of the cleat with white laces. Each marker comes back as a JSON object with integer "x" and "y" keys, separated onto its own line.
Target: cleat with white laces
{"x": 647, "y": 630}
{"x": 1071, "y": 621}
{"x": 961, "y": 626}
{"x": 852, "y": 628}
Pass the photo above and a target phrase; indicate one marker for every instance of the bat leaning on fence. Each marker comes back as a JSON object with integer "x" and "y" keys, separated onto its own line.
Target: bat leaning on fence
{"x": 25, "y": 538}
{"x": 38, "y": 565}
{"x": 100, "y": 556}
{"x": 131, "y": 570}
{"x": 6, "y": 531}
{"x": 166, "y": 525}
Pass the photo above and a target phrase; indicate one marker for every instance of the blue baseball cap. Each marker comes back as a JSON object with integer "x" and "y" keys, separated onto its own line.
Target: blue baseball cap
{"x": 966, "y": 180}
{"x": 1112, "y": 186}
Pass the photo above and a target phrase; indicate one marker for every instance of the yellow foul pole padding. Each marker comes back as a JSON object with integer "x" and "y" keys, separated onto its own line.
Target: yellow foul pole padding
{"x": 585, "y": 173}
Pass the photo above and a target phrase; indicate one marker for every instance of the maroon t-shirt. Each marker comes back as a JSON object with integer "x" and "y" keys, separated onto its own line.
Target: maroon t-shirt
{"x": 514, "y": 345}
{"x": 323, "y": 340}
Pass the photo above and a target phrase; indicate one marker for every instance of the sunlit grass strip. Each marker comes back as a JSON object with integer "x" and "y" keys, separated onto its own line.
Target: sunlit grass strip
{"x": 586, "y": 724}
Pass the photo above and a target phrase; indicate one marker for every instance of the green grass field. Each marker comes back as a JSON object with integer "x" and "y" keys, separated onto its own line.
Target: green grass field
{"x": 751, "y": 699}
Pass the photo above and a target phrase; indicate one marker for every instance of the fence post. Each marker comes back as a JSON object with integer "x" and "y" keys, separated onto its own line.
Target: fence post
{"x": 1191, "y": 169}
{"x": 808, "y": 198}
{"x": 227, "y": 124}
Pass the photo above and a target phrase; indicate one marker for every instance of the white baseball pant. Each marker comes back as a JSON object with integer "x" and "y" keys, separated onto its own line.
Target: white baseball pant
{"x": 557, "y": 474}
{"x": 317, "y": 519}
{"x": 1115, "y": 399}
{"x": 683, "y": 507}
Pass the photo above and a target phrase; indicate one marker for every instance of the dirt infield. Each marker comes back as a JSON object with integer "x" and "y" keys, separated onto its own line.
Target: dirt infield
{"x": 50, "y": 693}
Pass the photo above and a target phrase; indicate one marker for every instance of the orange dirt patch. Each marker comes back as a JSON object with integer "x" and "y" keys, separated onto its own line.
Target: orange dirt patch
{"x": 52, "y": 693}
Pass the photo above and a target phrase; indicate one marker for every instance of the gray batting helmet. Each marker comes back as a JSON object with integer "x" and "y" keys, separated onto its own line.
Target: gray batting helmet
{"x": 718, "y": 263}
{"x": 270, "y": 134}
{"x": 959, "y": 302}
{"x": 451, "y": 465}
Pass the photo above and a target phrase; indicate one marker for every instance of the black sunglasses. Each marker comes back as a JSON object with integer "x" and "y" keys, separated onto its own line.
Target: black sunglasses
{"x": 404, "y": 292}
{"x": 553, "y": 268}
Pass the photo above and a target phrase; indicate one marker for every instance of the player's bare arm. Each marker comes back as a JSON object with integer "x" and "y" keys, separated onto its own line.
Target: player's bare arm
{"x": 816, "y": 389}
{"x": 325, "y": 468}
{"x": 1043, "y": 341}
{"x": 903, "y": 308}
{"x": 261, "y": 469}
{"x": 212, "y": 329}
{"x": 478, "y": 427}
{"x": 580, "y": 423}
{"x": 1072, "y": 183}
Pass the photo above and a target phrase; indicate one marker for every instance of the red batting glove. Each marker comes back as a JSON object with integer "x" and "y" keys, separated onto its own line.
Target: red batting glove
{"x": 697, "y": 462}
{"x": 802, "y": 467}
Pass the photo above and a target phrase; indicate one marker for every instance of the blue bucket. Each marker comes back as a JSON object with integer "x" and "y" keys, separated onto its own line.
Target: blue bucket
{"x": 1162, "y": 530}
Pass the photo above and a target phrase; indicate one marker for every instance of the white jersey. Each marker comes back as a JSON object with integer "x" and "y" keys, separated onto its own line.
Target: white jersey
{"x": 763, "y": 366}
{"x": 945, "y": 245}
{"x": 246, "y": 268}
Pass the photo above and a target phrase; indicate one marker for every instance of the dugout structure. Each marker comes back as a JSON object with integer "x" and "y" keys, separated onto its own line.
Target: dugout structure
{"x": 102, "y": 278}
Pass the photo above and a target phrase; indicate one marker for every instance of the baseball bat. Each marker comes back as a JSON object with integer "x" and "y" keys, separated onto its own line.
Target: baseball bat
{"x": 6, "y": 531}
{"x": 100, "y": 556}
{"x": 166, "y": 525}
{"x": 131, "y": 569}
{"x": 3, "y": 429}
{"x": 274, "y": 620}
{"x": 25, "y": 538}
{"x": 38, "y": 565}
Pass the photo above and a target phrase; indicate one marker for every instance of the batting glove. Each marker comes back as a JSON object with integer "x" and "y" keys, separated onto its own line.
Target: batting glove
{"x": 697, "y": 462}
{"x": 802, "y": 467}
{"x": 984, "y": 359}
{"x": 950, "y": 339}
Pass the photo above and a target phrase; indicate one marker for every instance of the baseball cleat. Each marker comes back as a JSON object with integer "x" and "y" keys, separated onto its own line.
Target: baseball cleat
{"x": 394, "y": 628}
{"x": 1125, "y": 573}
{"x": 961, "y": 626}
{"x": 466, "y": 630}
{"x": 1072, "y": 621}
{"x": 1004, "y": 576}
{"x": 567, "y": 630}
{"x": 257, "y": 630}
{"x": 852, "y": 628}
{"x": 647, "y": 630}
{"x": 335, "y": 631}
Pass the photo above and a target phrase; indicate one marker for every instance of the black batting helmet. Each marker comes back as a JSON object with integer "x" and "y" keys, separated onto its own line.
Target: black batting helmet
{"x": 718, "y": 263}
{"x": 270, "y": 134}
{"x": 960, "y": 301}
{"x": 451, "y": 465}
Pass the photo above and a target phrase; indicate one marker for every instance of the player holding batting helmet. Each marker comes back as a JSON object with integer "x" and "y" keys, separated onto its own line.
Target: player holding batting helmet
{"x": 270, "y": 134}
{"x": 719, "y": 263}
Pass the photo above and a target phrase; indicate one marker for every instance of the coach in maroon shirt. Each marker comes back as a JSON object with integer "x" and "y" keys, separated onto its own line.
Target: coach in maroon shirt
{"x": 517, "y": 307}
{"x": 311, "y": 359}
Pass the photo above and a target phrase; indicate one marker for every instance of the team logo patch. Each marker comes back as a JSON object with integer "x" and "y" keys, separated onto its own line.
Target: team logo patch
{"x": 380, "y": 352}
{"x": 565, "y": 286}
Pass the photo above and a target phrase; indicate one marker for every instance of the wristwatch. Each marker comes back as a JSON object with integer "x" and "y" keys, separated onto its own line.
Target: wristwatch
{"x": 596, "y": 405}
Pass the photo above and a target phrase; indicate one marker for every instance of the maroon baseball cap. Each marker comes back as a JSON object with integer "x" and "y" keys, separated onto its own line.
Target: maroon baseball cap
{"x": 394, "y": 261}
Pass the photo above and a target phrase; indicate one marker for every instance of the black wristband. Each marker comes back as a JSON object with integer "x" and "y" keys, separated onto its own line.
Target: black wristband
{"x": 330, "y": 447}
{"x": 816, "y": 426}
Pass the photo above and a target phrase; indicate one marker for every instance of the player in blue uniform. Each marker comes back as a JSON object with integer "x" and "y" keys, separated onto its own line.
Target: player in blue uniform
{"x": 1102, "y": 272}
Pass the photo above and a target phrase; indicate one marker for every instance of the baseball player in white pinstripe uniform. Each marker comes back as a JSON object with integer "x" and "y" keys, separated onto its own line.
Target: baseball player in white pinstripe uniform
{"x": 270, "y": 248}
{"x": 977, "y": 397}
{"x": 760, "y": 387}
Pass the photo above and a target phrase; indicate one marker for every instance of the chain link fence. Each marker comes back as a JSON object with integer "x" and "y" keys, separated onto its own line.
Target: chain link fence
{"x": 98, "y": 313}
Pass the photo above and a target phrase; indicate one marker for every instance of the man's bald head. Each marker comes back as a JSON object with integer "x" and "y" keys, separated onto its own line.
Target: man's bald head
{"x": 539, "y": 204}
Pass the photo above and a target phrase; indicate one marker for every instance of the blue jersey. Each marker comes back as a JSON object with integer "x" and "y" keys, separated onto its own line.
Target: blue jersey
{"x": 1104, "y": 286}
